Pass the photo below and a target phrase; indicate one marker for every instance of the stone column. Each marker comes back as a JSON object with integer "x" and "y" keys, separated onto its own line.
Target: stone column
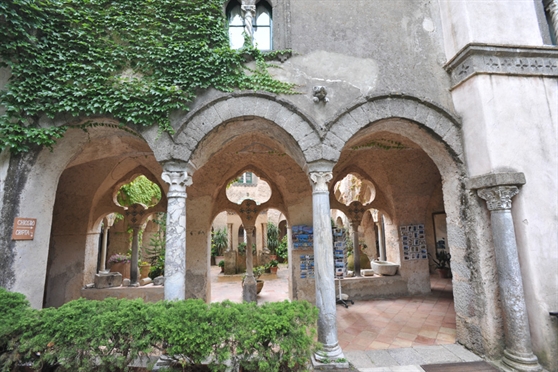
{"x": 249, "y": 287}
{"x": 551, "y": 8}
{"x": 135, "y": 214}
{"x": 177, "y": 177}
{"x": 134, "y": 263}
{"x": 498, "y": 191}
{"x": 356, "y": 248}
{"x": 109, "y": 222}
{"x": 324, "y": 268}
{"x": 381, "y": 238}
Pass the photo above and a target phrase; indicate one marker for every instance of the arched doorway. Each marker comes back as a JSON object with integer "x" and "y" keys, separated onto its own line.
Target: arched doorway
{"x": 85, "y": 195}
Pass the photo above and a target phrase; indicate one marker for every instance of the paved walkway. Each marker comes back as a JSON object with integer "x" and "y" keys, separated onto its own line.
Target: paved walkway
{"x": 378, "y": 335}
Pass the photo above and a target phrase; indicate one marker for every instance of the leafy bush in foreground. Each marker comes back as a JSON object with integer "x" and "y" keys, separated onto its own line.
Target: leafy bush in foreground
{"x": 85, "y": 335}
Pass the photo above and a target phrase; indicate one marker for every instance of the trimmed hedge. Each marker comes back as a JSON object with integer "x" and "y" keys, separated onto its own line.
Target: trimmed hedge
{"x": 85, "y": 335}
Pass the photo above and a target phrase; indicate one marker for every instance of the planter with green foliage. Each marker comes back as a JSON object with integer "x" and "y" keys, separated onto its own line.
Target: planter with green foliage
{"x": 85, "y": 335}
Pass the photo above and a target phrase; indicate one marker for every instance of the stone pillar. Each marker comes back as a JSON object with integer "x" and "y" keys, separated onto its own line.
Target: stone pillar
{"x": 177, "y": 177}
{"x": 134, "y": 261}
{"x": 498, "y": 190}
{"x": 109, "y": 222}
{"x": 356, "y": 212}
{"x": 356, "y": 248}
{"x": 249, "y": 287}
{"x": 135, "y": 214}
{"x": 381, "y": 238}
{"x": 551, "y": 8}
{"x": 324, "y": 268}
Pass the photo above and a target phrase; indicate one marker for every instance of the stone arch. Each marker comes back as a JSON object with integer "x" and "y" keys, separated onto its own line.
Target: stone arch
{"x": 305, "y": 142}
{"x": 428, "y": 116}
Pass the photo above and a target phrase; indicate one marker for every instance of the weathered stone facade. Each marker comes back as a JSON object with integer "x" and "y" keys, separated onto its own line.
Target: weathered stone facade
{"x": 422, "y": 98}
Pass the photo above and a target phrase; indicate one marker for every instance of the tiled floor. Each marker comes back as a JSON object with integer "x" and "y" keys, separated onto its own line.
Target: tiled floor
{"x": 368, "y": 325}
{"x": 398, "y": 323}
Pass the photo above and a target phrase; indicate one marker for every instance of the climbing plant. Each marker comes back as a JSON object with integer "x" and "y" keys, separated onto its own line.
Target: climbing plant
{"x": 134, "y": 60}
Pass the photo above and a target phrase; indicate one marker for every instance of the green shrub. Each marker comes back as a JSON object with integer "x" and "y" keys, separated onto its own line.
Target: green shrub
{"x": 85, "y": 335}
{"x": 14, "y": 310}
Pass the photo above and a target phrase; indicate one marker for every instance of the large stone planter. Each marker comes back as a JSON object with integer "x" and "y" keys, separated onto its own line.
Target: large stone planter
{"x": 384, "y": 268}
{"x": 122, "y": 268}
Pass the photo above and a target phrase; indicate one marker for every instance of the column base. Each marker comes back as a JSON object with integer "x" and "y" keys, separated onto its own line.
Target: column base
{"x": 330, "y": 357}
{"x": 249, "y": 289}
{"x": 520, "y": 362}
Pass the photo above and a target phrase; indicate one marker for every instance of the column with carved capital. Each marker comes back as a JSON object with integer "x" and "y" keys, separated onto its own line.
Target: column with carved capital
{"x": 176, "y": 175}
{"x": 323, "y": 268}
{"x": 518, "y": 354}
{"x": 249, "y": 287}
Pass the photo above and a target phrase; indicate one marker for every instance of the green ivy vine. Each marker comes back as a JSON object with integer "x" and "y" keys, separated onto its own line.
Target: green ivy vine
{"x": 135, "y": 60}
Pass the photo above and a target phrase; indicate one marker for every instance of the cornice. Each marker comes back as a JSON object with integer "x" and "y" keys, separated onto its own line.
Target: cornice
{"x": 478, "y": 59}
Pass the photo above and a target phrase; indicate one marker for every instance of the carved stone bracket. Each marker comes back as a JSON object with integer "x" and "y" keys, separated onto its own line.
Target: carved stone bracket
{"x": 499, "y": 197}
{"x": 248, "y": 212}
{"x": 135, "y": 214}
{"x": 477, "y": 59}
{"x": 320, "y": 181}
{"x": 356, "y": 211}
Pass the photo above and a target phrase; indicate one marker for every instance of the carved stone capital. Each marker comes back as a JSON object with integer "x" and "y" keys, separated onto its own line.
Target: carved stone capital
{"x": 320, "y": 181}
{"x": 499, "y": 197}
{"x": 177, "y": 180}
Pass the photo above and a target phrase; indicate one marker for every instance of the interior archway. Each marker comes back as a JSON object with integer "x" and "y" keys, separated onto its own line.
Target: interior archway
{"x": 84, "y": 196}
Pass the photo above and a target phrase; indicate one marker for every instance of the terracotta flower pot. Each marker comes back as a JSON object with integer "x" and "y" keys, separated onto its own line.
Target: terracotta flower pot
{"x": 144, "y": 271}
{"x": 122, "y": 268}
{"x": 273, "y": 270}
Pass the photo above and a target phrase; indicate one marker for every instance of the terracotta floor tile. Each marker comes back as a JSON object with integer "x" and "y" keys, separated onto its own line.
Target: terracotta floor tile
{"x": 401, "y": 342}
{"x": 377, "y": 345}
{"x": 388, "y": 339}
{"x": 443, "y": 337}
{"x": 447, "y": 330}
{"x": 407, "y": 336}
{"x": 424, "y": 340}
{"x": 428, "y": 334}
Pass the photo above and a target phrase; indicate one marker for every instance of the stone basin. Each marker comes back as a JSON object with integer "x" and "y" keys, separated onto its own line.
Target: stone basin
{"x": 384, "y": 267}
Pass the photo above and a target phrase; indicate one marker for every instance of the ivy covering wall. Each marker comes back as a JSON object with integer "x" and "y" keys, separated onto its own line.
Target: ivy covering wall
{"x": 134, "y": 60}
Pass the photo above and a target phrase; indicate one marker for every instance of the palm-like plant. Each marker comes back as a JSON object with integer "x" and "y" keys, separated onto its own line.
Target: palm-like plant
{"x": 272, "y": 237}
{"x": 220, "y": 240}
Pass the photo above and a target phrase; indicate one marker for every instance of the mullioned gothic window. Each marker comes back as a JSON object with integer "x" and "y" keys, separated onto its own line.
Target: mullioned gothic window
{"x": 262, "y": 25}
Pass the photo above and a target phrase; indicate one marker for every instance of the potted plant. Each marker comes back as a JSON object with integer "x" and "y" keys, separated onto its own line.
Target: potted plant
{"x": 144, "y": 268}
{"x": 442, "y": 263}
{"x": 120, "y": 263}
{"x": 222, "y": 265}
{"x": 258, "y": 271}
{"x": 273, "y": 266}
{"x": 219, "y": 243}
{"x": 283, "y": 250}
{"x": 272, "y": 239}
